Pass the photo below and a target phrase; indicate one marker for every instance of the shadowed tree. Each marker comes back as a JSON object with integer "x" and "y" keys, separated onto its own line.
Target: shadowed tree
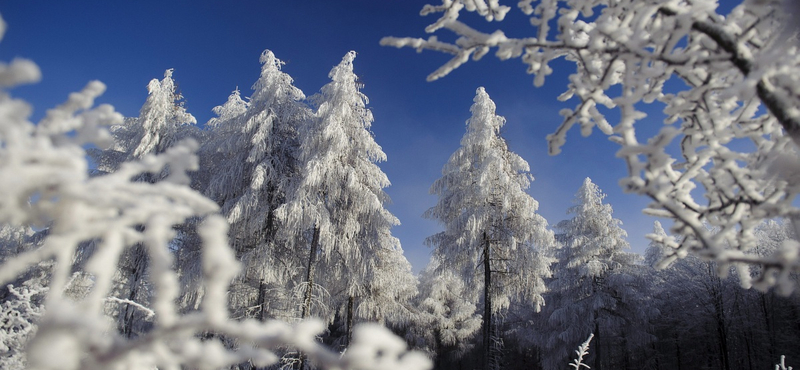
{"x": 586, "y": 298}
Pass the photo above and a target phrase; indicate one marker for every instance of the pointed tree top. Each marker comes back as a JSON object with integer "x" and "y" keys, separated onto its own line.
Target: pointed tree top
{"x": 349, "y": 57}
{"x": 344, "y": 70}
{"x": 269, "y": 60}
{"x": 589, "y": 193}
{"x": 485, "y": 123}
{"x": 483, "y": 103}
{"x": 658, "y": 229}
{"x": 233, "y": 107}
{"x": 273, "y": 83}
{"x": 161, "y": 113}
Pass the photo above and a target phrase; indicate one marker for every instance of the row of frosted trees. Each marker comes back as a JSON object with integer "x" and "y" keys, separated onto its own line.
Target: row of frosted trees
{"x": 131, "y": 267}
{"x": 298, "y": 181}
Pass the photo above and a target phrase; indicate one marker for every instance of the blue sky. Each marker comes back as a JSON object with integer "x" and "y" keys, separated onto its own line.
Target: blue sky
{"x": 214, "y": 48}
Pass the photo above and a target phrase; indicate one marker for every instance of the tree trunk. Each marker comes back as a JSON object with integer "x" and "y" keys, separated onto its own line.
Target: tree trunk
{"x": 349, "y": 334}
{"x": 748, "y": 343}
{"x": 139, "y": 259}
{"x": 598, "y": 363}
{"x": 719, "y": 313}
{"x": 657, "y": 355}
{"x": 262, "y": 300}
{"x": 678, "y": 349}
{"x": 626, "y": 354}
{"x": 769, "y": 325}
{"x": 306, "y": 310}
{"x": 312, "y": 257}
{"x": 487, "y": 306}
{"x": 438, "y": 351}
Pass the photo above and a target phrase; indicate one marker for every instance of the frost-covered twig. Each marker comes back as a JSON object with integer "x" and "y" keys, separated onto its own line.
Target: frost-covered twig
{"x": 19, "y": 317}
{"x": 148, "y": 312}
{"x": 582, "y": 351}
{"x": 782, "y": 364}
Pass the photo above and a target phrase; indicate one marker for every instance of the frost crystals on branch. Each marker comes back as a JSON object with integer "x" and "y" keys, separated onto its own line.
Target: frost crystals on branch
{"x": 732, "y": 126}
{"x": 582, "y": 351}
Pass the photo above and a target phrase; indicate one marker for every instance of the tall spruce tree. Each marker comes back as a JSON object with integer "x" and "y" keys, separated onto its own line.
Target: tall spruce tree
{"x": 585, "y": 298}
{"x": 336, "y": 203}
{"x": 162, "y": 122}
{"x": 492, "y": 236}
{"x": 252, "y": 155}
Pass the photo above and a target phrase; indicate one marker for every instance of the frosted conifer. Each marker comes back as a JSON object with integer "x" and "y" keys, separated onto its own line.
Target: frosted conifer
{"x": 585, "y": 289}
{"x": 336, "y": 204}
{"x": 490, "y": 221}
{"x": 251, "y": 156}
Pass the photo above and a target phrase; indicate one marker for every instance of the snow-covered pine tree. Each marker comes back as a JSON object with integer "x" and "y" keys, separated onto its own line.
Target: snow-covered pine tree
{"x": 161, "y": 117}
{"x": 162, "y": 122}
{"x": 583, "y": 298}
{"x": 251, "y": 155}
{"x": 657, "y": 249}
{"x": 490, "y": 221}
{"x": 337, "y": 200}
{"x": 219, "y": 133}
{"x": 254, "y": 145}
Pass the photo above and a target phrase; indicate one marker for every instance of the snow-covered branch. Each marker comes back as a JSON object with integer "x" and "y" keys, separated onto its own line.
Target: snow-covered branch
{"x": 582, "y": 351}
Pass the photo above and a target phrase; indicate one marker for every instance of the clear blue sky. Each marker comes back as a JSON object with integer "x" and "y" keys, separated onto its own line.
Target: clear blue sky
{"x": 214, "y": 48}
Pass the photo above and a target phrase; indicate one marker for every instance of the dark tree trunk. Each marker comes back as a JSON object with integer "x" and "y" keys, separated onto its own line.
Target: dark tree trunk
{"x": 767, "y": 311}
{"x": 306, "y": 310}
{"x": 598, "y": 359}
{"x": 719, "y": 313}
{"x": 438, "y": 351}
{"x": 678, "y": 349}
{"x": 312, "y": 258}
{"x": 656, "y": 356}
{"x": 139, "y": 259}
{"x": 262, "y": 300}
{"x": 626, "y": 353}
{"x": 349, "y": 334}
{"x": 487, "y": 306}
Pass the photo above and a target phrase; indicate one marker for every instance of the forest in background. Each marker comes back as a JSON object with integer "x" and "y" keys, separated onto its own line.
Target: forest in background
{"x": 124, "y": 253}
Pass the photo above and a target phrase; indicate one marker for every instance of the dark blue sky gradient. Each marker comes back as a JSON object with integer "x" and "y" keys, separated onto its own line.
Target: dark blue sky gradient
{"x": 214, "y": 47}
